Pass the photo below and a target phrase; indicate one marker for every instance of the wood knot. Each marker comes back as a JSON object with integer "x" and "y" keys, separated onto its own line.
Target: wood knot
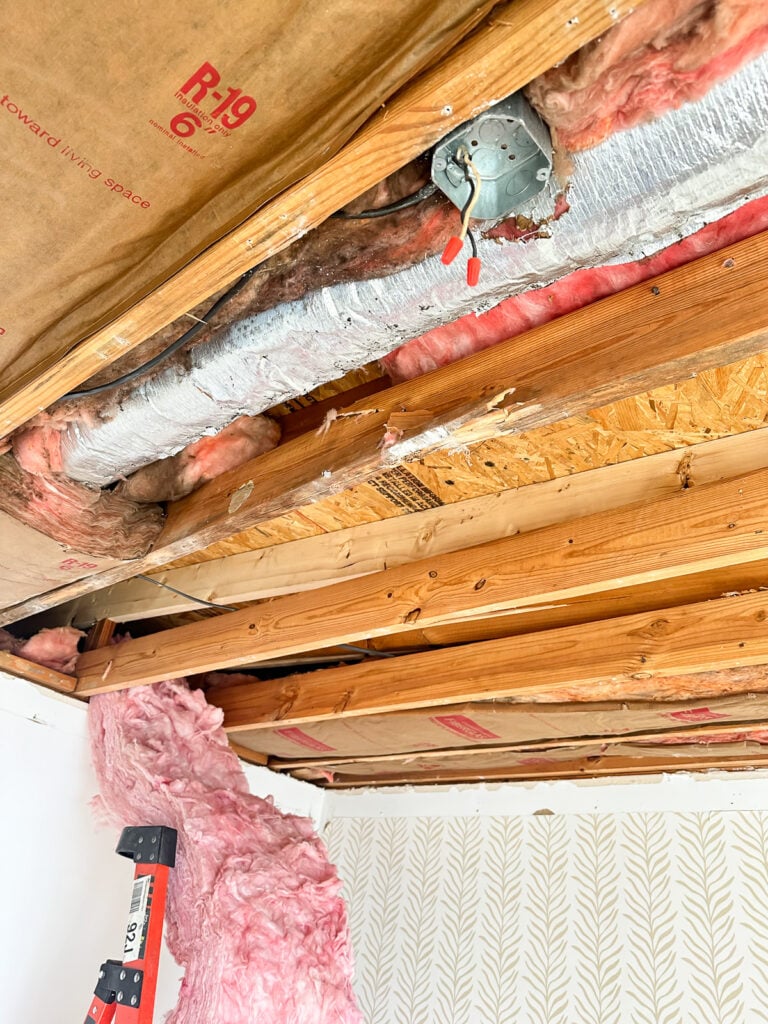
{"x": 480, "y": 584}
{"x": 412, "y": 615}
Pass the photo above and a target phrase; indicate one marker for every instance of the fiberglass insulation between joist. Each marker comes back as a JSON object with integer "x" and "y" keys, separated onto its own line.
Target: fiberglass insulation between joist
{"x": 254, "y": 911}
{"x": 637, "y": 193}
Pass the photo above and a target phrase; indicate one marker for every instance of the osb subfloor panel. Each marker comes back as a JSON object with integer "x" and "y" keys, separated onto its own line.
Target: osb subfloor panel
{"x": 728, "y": 400}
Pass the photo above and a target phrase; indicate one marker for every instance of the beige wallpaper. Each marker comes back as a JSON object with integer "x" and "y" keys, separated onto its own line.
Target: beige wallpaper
{"x": 647, "y": 918}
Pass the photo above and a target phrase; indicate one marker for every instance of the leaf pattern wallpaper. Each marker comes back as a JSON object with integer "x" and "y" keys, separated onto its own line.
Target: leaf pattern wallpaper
{"x": 642, "y": 918}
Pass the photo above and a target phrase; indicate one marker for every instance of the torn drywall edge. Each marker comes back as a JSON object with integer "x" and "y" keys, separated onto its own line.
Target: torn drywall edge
{"x": 635, "y": 194}
{"x": 682, "y": 791}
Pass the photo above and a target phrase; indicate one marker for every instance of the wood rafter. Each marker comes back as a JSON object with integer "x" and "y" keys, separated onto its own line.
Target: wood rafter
{"x": 373, "y": 547}
{"x": 584, "y": 768}
{"x": 33, "y": 673}
{"x": 706, "y": 527}
{"x": 684, "y": 640}
{"x": 708, "y": 313}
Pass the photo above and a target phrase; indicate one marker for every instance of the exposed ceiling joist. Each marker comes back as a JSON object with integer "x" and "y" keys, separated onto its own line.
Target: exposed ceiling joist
{"x": 385, "y": 544}
{"x": 684, "y": 640}
{"x": 583, "y": 768}
{"x": 33, "y": 673}
{"x": 689, "y": 589}
{"x": 705, "y": 314}
{"x": 705, "y": 527}
{"x": 522, "y": 40}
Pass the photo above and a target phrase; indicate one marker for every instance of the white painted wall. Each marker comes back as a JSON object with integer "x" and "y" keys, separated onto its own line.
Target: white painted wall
{"x": 65, "y": 892}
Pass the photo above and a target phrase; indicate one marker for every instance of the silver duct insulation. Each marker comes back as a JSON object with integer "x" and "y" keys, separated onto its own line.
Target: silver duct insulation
{"x": 635, "y": 194}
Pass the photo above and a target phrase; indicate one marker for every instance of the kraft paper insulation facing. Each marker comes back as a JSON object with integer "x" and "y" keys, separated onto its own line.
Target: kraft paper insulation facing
{"x": 119, "y": 170}
{"x": 635, "y": 194}
{"x": 254, "y": 912}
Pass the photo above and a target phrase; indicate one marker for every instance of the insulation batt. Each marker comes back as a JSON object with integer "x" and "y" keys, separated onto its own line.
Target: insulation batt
{"x": 667, "y": 53}
{"x": 254, "y": 911}
{"x": 637, "y": 193}
{"x": 53, "y": 648}
{"x": 522, "y": 312}
{"x": 694, "y": 686}
{"x": 86, "y": 520}
{"x": 170, "y": 479}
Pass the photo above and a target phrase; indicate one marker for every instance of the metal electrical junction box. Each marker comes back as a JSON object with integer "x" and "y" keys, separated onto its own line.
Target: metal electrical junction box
{"x": 509, "y": 146}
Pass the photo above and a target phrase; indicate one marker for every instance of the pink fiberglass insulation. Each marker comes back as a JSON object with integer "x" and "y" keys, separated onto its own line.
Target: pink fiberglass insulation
{"x": 254, "y": 913}
{"x": 172, "y": 478}
{"x": 38, "y": 451}
{"x": 694, "y": 686}
{"x": 666, "y": 53}
{"x": 530, "y": 309}
{"x": 86, "y": 520}
{"x": 53, "y": 648}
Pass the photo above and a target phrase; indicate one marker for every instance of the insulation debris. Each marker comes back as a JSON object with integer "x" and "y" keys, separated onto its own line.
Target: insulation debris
{"x": 634, "y": 195}
{"x": 538, "y": 306}
{"x": 203, "y": 460}
{"x": 254, "y": 911}
{"x": 666, "y": 53}
{"x": 88, "y": 521}
{"x": 53, "y": 648}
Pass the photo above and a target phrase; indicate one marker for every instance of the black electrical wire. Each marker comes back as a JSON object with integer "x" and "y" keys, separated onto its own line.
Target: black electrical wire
{"x": 190, "y": 597}
{"x": 371, "y": 652}
{"x": 472, "y": 242}
{"x": 187, "y": 336}
{"x": 384, "y": 211}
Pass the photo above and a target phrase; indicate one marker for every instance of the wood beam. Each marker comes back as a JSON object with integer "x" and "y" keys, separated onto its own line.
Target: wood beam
{"x": 373, "y": 547}
{"x": 584, "y": 768}
{"x": 689, "y": 589}
{"x": 33, "y": 673}
{"x": 690, "y": 639}
{"x": 705, "y": 527}
{"x": 520, "y": 41}
{"x": 705, "y": 314}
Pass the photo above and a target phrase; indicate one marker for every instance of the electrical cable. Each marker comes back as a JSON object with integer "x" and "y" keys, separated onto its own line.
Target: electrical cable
{"x": 189, "y": 597}
{"x": 370, "y": 651}
{"x": 474, "y": 181}
{"x": 187, "y": 336}
{"x": 384, "y": 211}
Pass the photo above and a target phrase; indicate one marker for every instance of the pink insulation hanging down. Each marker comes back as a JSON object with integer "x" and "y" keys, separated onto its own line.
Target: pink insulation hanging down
{"x": 254, "y": 911}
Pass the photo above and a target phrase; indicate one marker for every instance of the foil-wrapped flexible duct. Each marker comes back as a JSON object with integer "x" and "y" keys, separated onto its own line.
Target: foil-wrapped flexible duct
{"x": 631, "y": 196}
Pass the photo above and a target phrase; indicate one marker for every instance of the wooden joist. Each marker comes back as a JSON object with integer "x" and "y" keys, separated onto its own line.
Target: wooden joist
{"x": 48, "y": 677}
{"x": 645, "y": 597}
{"x": 690, "y": 639}
{"x": 706, "y": 527}
{"x": 373, "y": 547}
{"x": 706, "y": 314}
{"x": 520, "y": 41}
{"x": 583, "y": 768}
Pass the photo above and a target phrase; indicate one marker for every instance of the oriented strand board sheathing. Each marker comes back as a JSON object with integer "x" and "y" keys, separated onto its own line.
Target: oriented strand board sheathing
{"x": 716, "y": 403}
